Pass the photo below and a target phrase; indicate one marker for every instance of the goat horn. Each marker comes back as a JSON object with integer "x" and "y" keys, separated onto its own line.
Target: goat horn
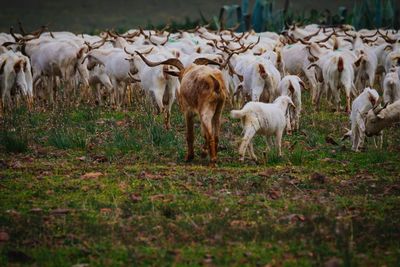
{"x": 172, "y": 61}
{"x": 205, "y": 61}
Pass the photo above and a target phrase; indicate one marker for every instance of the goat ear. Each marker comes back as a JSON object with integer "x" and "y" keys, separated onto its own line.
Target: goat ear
{"x": 17, "y": 66}
{"x": 81, "y": 51}
{"x": 291, "y": 88}
{"x": 2, "y": 66}
{"x": 388, "y": 48}
{"x": 302, "y": 84}
{"x": 358, "y": 61}
{"x": 172, "y": 73}
{"x": 371, "y": 99}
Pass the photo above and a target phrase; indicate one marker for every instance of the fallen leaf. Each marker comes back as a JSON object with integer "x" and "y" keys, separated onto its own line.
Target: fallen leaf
{"x": 105, "y": 210}
{"x": 274, "y": 194}
{"x": 4, "y": 237}
{"x": 60, "y": 211}
{"x": 91, "y": 175}
{"x": 120, "y": 123}
{"x": 135, "y": 197}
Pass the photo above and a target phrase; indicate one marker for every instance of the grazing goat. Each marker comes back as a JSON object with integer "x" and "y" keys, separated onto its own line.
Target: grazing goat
{"x": 268, "y": 119}
{"x": 380, "y": 118}
{"x": 367, "y": 100}
{"x": 202, "y": 91}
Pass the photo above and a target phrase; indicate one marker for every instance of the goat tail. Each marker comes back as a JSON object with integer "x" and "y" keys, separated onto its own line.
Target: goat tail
{"x": 340, "y": 65}
{"x": 237, "y": 114}
{"x": 262, "y": 71}
{"x": 216, "y": 85}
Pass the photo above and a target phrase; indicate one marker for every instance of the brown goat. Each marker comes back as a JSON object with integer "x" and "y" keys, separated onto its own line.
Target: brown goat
{"x": 202, "y": 92}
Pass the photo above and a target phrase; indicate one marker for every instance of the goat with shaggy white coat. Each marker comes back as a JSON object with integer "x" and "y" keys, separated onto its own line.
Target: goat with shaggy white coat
{"x": 290, "y": 86}
{"x": 15, "y": 73}
{"x": 337, "y": 71}
{"x": 360, "y": 107}
{"x": 380, "y": 118}
{"x": 391, "y": 86}
{"x": 268, "y": 119}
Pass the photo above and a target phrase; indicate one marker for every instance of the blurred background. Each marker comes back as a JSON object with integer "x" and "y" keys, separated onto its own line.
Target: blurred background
{"x": 94, "y": 15}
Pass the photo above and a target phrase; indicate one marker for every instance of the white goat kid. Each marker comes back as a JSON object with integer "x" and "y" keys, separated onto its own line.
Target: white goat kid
{"x": 268, "y": 119}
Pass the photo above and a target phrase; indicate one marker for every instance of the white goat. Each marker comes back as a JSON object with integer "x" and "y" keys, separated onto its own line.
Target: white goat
{"x": 391, "y": 86}
{"x": 380, "y": 118}
{"x": 268, "y": 119}
{"x": 291, "y": 86}
{"x": 360, "y": 107}
{"x": 15, "y": 73}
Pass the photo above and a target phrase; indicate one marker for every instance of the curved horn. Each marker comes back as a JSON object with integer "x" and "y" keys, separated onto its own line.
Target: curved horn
{"x": 16, "y": 38}
{"x": 91, "y": 47}
{"x": 223, "y": 65}
{"x": 172, "y": 61}
{"x": 325, "y": 39}
{"x": 350, "y": 35}
{"x": 113, "y": 34}
{"x": 21, "y": 28}
{"x": 386, "y": 38}
{"x": 303, "y": 42}
{"x": 205, "y": 61}
{"x": 166, "y": 40}
{"x": 309, "y": 51}
{"x": 143, "y": 33}
{"x": 307, "y": 38}
{"x": 369, "y": 36}
{"x": 133, "y": 78}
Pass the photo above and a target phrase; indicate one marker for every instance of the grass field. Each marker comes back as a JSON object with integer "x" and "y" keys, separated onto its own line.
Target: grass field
{"x": 97, "y": 187}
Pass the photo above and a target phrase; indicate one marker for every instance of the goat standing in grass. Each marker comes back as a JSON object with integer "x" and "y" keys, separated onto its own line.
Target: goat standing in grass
{"x": 290, "y": 86}
{"x": 202, "y": 91}
{"x": 366, "y": 101}
{"x": 268, "y": 119}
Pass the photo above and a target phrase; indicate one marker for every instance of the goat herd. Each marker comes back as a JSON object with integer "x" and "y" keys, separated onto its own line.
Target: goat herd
{"x": 203, "y": 69}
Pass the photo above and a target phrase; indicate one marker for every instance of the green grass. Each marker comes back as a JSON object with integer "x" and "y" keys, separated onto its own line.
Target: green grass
{"x": 110, "y": 188}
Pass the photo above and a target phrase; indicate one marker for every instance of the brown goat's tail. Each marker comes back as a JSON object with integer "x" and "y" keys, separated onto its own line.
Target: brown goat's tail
{"x": 216, "y": 86}
{"x": 340, "y": 64}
